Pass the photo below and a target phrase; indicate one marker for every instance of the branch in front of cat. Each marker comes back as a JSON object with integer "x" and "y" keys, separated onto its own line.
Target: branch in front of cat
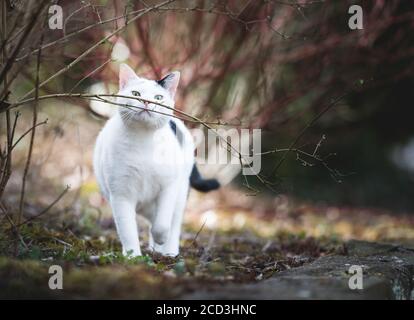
{"x": 191, "y": 118}
{"x": 229, "y": 148}
{"x": 194, "y": 119}
{"x": 101, "y": 97}
{"x": 188, "y": 119}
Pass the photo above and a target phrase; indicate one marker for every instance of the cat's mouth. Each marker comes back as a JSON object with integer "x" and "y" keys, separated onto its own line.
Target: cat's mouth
{"x": 145, "y": 110}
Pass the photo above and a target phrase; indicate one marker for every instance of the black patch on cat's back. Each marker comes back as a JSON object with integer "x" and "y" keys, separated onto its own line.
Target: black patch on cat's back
{"x": 177, "y": 132}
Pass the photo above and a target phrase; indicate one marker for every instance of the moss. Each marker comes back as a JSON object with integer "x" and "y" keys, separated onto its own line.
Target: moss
{"x": 93, "y": 266}
{"x": 23, "y": 279}
{"x": 29, "y": 279}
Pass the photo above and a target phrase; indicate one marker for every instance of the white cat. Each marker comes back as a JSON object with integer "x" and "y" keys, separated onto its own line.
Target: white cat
{"x": 144, "y": 163}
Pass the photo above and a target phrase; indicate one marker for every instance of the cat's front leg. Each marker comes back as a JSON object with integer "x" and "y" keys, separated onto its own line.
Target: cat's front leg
{"x": 161, "y": 224}
{"x": 171, "y": 247}
{"x": 125, "y": 220}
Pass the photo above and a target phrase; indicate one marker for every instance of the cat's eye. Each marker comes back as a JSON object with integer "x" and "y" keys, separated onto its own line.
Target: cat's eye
{"x": 158, "y": 97}
{"x": 135, "y": 93}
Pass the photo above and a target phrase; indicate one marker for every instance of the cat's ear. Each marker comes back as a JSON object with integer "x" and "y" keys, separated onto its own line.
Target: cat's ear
{"x": 125, "y": 75}
{"x": 170, "y": 82}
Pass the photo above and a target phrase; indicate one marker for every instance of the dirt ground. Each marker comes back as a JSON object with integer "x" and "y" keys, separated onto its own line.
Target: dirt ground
{"x": 227, "y": 238}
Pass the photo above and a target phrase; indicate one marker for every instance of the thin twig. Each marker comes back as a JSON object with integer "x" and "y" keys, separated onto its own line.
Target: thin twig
{"x": 23, "y": 38}
{"x": 27, "y": 132}
{"x": 90, "y": 74}
{"x": 46, "y": 209}
{"x": 92, "y": 48}
{"x": 76, "y": 32}
{"x": 310, "y": 124}
{"x": 198, "y": 232}
{"x": 32, "y": 137}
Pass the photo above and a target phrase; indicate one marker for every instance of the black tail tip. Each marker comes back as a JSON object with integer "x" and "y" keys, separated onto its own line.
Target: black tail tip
{"x": 206, "y": 185}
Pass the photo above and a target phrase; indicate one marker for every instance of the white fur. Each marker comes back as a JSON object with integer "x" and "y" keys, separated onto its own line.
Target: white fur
{"x": 142, "y": 168}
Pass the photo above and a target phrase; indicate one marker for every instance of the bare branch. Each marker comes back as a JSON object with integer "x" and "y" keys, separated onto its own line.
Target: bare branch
{"x": 46, "y": 209}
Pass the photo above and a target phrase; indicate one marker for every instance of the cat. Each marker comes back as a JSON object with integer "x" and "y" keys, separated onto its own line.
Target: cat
{"x": 144, "y": 163}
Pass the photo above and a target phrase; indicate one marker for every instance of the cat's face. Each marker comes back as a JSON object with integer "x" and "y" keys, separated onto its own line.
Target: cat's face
{"x": 162, "y": 91}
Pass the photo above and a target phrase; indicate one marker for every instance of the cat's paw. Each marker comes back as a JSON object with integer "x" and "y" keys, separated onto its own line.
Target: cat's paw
{"x": 169, "y": 249}
{"x": 170, "y": 254}
{"x": 164, "y": 251}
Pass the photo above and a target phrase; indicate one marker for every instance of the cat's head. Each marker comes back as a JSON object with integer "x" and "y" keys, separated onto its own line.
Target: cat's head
{"x": 162, "y": 91}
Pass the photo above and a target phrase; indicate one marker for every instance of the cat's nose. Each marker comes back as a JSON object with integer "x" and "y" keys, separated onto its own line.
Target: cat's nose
{"x": 146, "y": 104}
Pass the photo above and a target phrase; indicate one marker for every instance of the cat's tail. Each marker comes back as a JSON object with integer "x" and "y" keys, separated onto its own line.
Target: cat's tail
{"x": 201, "y": 184}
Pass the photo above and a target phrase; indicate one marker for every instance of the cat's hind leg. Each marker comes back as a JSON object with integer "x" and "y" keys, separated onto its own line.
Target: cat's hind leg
{"x": 126, "y": 225}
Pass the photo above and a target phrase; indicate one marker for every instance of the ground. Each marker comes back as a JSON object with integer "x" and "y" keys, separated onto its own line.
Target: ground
{"x": 232, "y": 245}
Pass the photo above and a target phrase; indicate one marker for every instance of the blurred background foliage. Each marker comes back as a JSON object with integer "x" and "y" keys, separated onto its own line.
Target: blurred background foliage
{"x": 272, "y": 65}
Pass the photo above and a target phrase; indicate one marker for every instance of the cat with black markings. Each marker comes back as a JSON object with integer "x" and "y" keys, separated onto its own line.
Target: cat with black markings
{"x": 144, "y": 163}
